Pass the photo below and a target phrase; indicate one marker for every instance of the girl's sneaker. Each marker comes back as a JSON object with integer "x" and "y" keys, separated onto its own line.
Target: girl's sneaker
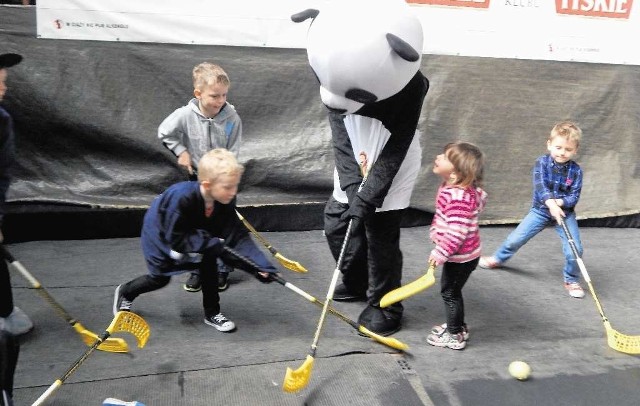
{"x": 453, "y": 341}
{"x": 442, "y": 328}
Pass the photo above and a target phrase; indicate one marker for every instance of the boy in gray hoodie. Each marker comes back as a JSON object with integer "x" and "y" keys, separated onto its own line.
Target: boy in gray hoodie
{"x": 208, "y": 121}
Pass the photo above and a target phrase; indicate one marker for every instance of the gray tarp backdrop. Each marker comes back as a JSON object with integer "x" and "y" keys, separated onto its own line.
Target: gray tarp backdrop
{"x": 86, "y": 115}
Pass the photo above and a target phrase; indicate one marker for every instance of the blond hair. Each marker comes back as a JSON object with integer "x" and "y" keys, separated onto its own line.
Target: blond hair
{"x": 568, "y": 130}
{"x": 208, "y": 73}
{"x": 467, "y": 161}
{"x": 216, "y": 163}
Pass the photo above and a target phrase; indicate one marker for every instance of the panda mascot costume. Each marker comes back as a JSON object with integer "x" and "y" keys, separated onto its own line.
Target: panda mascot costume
{"x": 366, "y": 55}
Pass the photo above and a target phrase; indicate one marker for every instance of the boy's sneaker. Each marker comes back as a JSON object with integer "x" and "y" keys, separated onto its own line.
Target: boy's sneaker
{"x": 574, "y": 289}
{"x": 442, "y": 328}
{"x": 16, "y": 323}
{"x": 223, "y": 281}
{"x": 193, "y": 283}
{"x": 453, "y": 341}
{"x": 220, "y": 322}
{"x": 120, "y": 304}
{"x": 488, "y": 263}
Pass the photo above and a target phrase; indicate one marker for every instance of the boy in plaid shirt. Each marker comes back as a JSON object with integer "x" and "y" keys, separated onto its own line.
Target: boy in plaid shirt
{"x": 557, "y": 182}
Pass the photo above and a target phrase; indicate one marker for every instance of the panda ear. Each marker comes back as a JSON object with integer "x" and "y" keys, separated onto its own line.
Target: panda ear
{"x": 402, "y": 48}
{"x": 303, "y": 15}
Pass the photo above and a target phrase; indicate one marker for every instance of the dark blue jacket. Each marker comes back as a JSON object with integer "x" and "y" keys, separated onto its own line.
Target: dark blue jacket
{"x": 175, "y": 221}
{"x": 7, "y": 156}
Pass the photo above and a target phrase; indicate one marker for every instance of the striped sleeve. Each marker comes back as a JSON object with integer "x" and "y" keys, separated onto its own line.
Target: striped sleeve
{"x": 454, "y": 228}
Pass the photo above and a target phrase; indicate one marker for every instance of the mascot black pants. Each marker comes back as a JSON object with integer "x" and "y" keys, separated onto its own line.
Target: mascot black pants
{"x": 372, "y": 259}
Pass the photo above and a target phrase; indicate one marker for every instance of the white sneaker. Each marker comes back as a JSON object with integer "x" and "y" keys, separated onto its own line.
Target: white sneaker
{"x": 220, "y": 322}
{"x": 488, "y": 263}
{"x": 16, "y": 323}
{"x": 442, "y": 328}
{"x": 455, "y": 342}
{"x": 574, "y": 289}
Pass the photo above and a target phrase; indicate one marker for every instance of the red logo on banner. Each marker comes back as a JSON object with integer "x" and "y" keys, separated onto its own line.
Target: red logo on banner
{"x": 595, "y": 8}
{"x": 454, "y": 3}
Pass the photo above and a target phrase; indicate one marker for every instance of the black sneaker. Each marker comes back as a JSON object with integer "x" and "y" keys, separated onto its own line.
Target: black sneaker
{"x": 120, "y": 304}
{"x": 220, "y": 322}
{"x": 193, "y": 283}
{"x": 223, "y": 281}
{"x": 344, "y": 294}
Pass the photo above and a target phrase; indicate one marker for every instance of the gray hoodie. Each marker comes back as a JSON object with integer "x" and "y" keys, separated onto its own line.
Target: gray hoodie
{"x": 188, "y": 129}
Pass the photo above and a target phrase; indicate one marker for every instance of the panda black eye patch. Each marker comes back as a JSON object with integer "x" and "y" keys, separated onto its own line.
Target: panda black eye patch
{"x": 360, "y": 96}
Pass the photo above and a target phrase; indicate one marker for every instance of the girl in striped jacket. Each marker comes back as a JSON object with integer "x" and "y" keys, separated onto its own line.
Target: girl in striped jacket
{"x": 456, "y": 235}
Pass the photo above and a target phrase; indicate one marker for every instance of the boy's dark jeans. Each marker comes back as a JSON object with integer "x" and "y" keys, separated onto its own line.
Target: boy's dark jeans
{"x": 208, "y": 277}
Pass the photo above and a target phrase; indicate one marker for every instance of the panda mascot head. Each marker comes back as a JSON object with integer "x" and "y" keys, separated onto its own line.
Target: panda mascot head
{"x": 362, "y": 51}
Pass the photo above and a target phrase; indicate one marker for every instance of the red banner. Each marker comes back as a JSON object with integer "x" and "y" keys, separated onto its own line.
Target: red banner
{"x": 595, "y": 8}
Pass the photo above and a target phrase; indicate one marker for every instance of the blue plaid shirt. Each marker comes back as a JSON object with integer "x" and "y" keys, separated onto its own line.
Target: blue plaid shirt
{"x": 556, "y": 181}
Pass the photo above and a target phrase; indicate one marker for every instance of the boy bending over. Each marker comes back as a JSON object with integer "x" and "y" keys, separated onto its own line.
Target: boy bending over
{"x": 186, "y": 229}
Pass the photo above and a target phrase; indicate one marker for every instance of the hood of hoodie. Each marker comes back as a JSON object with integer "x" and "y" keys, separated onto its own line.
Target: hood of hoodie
{"x": 223, "y": 114}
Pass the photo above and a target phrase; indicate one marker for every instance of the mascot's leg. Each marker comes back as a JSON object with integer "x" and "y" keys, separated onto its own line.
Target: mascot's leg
{"x": 385, "y": 271}
{"x": 354, "y": 262}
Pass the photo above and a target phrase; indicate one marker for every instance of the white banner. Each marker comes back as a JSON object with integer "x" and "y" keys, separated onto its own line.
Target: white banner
{"x": 600, "y": 31}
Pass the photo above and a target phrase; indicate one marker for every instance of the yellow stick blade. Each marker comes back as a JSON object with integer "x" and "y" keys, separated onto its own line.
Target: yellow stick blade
{"x": 388, "y": 341}
{"x": 294, "y": 266}
{"x": 425, "y": 281}
{"x": 298, "y": 379}
{"x": 111, "y": 344}
{"x": 622, "y": 342}
{"x": 131, "y": 323}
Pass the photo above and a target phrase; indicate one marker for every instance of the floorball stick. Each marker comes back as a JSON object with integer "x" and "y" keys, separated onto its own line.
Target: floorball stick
{"x": 388, "y": 341}
{"x": 295, "y": 380}
{"x": 425, "y": 281}
{"x": 109, "y": 345}
{"x": 123, "y": 321}
{"x": 616, "y": 340}
{"x": 287, "y": 263}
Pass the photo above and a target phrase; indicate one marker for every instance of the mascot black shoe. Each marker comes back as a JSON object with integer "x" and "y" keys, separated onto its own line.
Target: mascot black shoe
{"x": 380, "y": 321}
{"x": 346, "y": 294}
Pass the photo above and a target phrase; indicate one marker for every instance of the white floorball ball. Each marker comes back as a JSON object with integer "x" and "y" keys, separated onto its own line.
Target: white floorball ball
{"x": 520, "y": 370}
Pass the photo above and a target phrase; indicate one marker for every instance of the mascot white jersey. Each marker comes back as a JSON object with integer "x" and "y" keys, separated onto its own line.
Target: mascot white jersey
{"x": 368, "y": 137}
{"x": 366, "y": 55}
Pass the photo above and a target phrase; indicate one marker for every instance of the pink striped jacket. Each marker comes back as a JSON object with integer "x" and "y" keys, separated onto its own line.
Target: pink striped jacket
{"x": 454, "y": 229}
